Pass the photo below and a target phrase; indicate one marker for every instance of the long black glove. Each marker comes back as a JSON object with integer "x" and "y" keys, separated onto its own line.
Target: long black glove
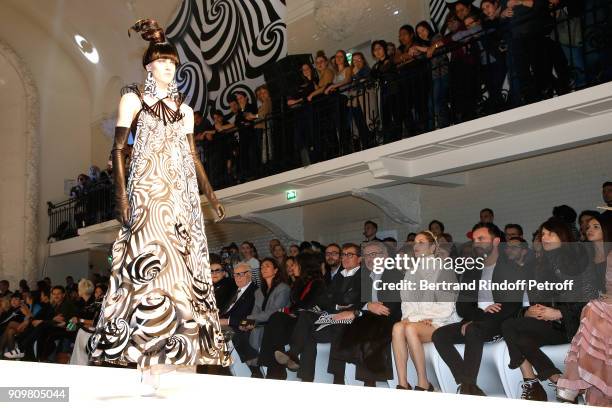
{"x": 119, "y": 154}
{"x": 203, "y": 183}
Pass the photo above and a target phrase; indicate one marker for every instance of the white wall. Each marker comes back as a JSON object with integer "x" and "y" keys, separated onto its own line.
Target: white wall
{"x": 65, "y": 108}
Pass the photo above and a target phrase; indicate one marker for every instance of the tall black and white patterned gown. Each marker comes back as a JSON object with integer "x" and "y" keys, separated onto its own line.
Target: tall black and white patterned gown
{"x": 160, "y": 307}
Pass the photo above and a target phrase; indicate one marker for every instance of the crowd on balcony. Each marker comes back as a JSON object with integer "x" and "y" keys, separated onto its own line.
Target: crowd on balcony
{"x": 271, "y": 307}
{"x": 501, "y": 55}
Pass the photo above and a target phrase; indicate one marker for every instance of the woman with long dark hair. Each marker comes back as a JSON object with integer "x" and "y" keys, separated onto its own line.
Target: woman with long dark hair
{"x": 304, "y": 292}
{"x": 385, "y": 72}
{"x": 160, "y": 309}
{"x": 272, "y": 295}
{"x": 303, "y": 111}
{"x": 553, "y": 316}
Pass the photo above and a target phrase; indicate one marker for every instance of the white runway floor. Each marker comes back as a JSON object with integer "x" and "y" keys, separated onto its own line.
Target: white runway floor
{"x": 101, "y": 386}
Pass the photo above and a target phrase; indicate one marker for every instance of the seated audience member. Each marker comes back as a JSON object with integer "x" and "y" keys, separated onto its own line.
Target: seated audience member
{"x": 224, "y": 286}
{"x": 241, "y": 302}
{"x": 482, "y": 311}
{"x": 568, "y": 215}
{"x": 294, "y": 250}
{"x": 333, "y": 265}
{"x": 513, "y": 231}
{"x": 248, "y": 254}
{"x": 35, "y": 311}
{"x": 279, "y": 253}
{"x": 446, "y": 247}
{"x": 516, "y": 250}
{"x": 13, "y": 313}
{"x": 277, "y": 332}
{"x": 23, "y": 287}
{"x": 599, "y": 236}
{"x": 367, "y": 340}
{"x": 37, "y": 333}
{"x": 391, "y": 244}
{"x": 342, "y": 300}
{"x": 587, "y": 365}
{"x": 436, "y": 227}
{"x": 290, "y": 269}
{"x": 583, "y": 221}
{"x": 422, "y": 313}
{"x": 86, "y": 321}
{"x": 272, "y": 295}
{"x": 552, "y": 318}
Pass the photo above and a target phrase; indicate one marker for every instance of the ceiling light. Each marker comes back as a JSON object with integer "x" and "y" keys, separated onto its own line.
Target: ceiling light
{"x": 87, "y": 49}
{"x": 396, "y": 12}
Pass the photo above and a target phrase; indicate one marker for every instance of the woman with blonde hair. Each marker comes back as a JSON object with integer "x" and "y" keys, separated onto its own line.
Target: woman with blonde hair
{"x": 422, "y": 311}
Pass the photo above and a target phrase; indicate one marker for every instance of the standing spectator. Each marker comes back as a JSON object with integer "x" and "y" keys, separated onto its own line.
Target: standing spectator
{"x": 568, "y": 215}
{"x": 438, "y": 103}
{"x": 370, "y": 228}
{"x": 487, "y": 216}
{"x": 247, "y": 255}
{"x": 248, "y": 146}
{"x": 271, "y": 244}
{"x": 263, "y": 127}
{"x": 385, "y": 72}
{"x": 513, "y": 231}
{"x": 436, "y": 227}
{"x": 303, "y": 132}
{"x": 361, "y": 101}
{"x": 279, "y": 253}
{"x": 343, "y": 75}
{"x": 606, "y": 193}
{"x": 294, "y": 250}
{"x": 290, "y": 269}
{"x": 5, "y": 289}
{"x": 391, "y": 50}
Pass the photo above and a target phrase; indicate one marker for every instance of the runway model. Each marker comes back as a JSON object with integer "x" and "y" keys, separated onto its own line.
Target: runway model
{"x": 160, "y": 310}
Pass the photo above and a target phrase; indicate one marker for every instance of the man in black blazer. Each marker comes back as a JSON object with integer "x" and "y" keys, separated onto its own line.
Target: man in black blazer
{"x": 483, "y": 311}
{"x": 367, "y": 341}
{"x": 342, "y": 299}
{"x": 241, "y": 303}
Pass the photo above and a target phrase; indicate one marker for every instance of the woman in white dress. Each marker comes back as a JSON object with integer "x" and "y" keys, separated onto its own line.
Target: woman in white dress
{"x": 422, "y": 312}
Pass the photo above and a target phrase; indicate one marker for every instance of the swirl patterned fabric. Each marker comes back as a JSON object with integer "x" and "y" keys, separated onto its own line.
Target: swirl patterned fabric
{"x": 160, "y": 308}
{"x": 227, "y": 44}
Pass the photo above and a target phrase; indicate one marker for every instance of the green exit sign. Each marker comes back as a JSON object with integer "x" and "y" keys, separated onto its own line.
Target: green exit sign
{"x": 291, "y": 195}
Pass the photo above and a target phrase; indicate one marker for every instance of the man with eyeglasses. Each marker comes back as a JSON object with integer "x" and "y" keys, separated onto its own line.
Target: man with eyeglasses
{"x": 223, "y": 285}
{"x": 367, "y": 341}
{"x": 332, "y": 262}
{"x": 241, "y": 303}
{"x": 342, "y": 299}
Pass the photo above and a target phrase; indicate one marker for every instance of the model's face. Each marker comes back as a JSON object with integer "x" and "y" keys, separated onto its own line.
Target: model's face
{"x": 550, "y": 240}
{"x": 163, "y": 70}
{"x": 422, "y": 246}
{"x": 594, "y": 233}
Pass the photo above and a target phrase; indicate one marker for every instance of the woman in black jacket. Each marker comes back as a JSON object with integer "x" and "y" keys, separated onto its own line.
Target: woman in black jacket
{"x": 385, "y": 72}
{"x": 304, "y": 292}
{"x": 554, "y": 316}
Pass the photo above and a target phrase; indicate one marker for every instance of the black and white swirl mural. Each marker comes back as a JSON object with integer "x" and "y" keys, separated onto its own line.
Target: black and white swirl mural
{"x": 225, "y": 45}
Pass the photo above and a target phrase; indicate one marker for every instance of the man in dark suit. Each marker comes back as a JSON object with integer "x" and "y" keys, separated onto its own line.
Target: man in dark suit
{"x": 367, "y": 341}
{"x": 241, "y": 303}
{"x": 483, "y": 311}
{"x": 342, "y": 299}
{"x": 333, "y": 264}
